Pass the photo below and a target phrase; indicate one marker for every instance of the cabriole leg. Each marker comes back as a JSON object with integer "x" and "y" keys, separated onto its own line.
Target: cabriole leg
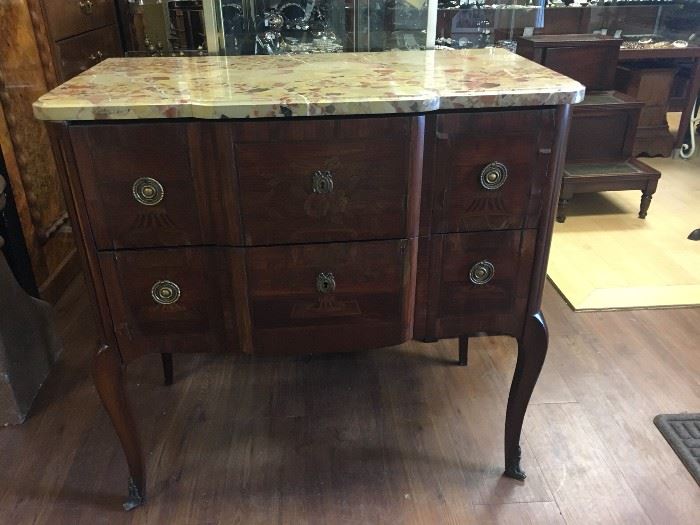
{"x": 532, "y": 349}
{"x": 108, "y": 374}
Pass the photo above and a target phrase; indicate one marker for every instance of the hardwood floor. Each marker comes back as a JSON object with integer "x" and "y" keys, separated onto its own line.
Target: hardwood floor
{"x": 605, "y": 257}
{"x": 399, "y": 435}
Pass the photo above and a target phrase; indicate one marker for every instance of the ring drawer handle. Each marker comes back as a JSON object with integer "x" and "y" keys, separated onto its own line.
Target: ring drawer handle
{"x": 482, "y": 272}
{"x": 165, "y": 292}
{"x": 322, "y": 181}
{"x": 493, "y": 176}
{"x": 86, "y": 7}
{"x": 325, "y": 282}
{"x": 148, "y": 191}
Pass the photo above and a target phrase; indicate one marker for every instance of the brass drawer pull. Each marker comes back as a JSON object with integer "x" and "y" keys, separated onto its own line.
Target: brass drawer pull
{"x": 325, "y": 282}
{"x": 86, "y": 7}
{"x": 322, "y": 182}
{"x": 97, "y": 56}
{"x": 482, "y": 272}
{"x": 148, "y": 191}
{"x": 165, "y": 292}
{"x": 493, "y": 176}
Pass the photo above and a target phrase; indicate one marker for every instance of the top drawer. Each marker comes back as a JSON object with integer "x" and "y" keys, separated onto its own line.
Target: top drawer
{"x": 328, "y": 180}
{"x": 71, "y": 17}
{"x": 491, "y": 169}
{"x": 145, "y": 187}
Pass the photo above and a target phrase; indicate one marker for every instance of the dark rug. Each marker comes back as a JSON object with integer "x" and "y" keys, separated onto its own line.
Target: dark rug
{"x": 682, "y": 431}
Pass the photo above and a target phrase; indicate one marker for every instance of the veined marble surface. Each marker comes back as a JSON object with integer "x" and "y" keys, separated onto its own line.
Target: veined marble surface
{"x": 305, "y": 85}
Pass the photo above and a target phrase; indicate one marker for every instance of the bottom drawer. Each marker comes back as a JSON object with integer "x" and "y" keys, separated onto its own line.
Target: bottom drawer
{"x": 479, "y": 282}
{"x": 331, "y": 297}
{"x": 175, "y": 300}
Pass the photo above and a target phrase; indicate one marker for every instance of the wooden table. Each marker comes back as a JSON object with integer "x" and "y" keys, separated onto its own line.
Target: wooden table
{"x": 321, "y": 203}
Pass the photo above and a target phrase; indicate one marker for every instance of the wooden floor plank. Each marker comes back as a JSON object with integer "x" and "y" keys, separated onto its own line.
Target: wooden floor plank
{"x": 518, "y": 514}
{"x": 398, "y": 435}
{"x": 587, "y": 485}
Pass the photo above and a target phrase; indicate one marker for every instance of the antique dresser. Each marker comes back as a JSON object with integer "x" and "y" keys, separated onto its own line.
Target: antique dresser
{"x": 319, "y": 203}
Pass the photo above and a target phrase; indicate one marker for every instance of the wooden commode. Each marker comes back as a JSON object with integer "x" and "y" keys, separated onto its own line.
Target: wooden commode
{"x": 290, "y": 205}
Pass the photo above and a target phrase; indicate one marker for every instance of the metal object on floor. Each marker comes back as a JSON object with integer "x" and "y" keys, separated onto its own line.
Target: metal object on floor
{"x": 686, "y": 150}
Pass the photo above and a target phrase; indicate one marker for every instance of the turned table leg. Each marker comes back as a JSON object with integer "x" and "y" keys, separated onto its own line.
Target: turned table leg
{"x": 561, "y": 209}
{"x": 463, "y": 350}
{"x": 646, "y": 197}
{"x": 108, "y": 374}
{"x": 532, "y": 349}
{"x": 167, "y": 368}
{"x": 644, "y": 205}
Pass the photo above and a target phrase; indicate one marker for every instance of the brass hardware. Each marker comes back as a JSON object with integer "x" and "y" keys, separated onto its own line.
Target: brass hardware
{"x": 325, "y": 282}
{"x": 493, "y": 176}
{"x": 322, "y": 181}
{"x": 148, "y": 191}
{"x": 86, "y": 7}
{"x": 482, "y": 272}
{"x": 165, "y": 292}
{"x": 97, "y": 56}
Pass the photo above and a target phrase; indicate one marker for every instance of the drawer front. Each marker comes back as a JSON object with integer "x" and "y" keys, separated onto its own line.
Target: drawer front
{"x": 491, "y": 170}
{"x": 331, "y": 297}
{"x": 68, "y": 18}
{"x": 138, "y": 185}
{"x": 480, "y": 282}
{"x": 177, "y": 300}
{"x": 330, "y": 184}
{"x": 80, "y": 53}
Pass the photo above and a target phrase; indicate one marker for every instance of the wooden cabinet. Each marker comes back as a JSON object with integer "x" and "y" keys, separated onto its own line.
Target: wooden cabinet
{"x": 79, "y": 53}
{"x": 68, "y": 18}
{"x": 82, "y": 33}
{"x": 293, "y": 236}
{"x": 43, "y": 43}
{"x": 590, "y": 59}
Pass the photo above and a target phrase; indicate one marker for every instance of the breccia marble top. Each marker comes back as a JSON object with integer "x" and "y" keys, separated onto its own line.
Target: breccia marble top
{"x": 214, "y": 87}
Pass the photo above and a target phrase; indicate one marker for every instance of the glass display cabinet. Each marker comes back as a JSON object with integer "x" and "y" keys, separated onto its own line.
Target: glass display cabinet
{"x": 471, "y": 23}
{"x": 236, "y": 27}
{"x": 243, "y": 27}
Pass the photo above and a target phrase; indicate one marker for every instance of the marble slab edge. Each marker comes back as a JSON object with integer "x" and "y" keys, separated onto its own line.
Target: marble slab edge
{"x": 217, "y": 110}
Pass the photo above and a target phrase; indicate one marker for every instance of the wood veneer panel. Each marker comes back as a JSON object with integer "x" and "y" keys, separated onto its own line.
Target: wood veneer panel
{"x": 461, "y": 307}
{"x": 204, "y": 319}
{"x": 373, "y": 166}
{"x": 371, "y": 305}
{"x": 466, "y": 144}
{"x": 193, "y": 164}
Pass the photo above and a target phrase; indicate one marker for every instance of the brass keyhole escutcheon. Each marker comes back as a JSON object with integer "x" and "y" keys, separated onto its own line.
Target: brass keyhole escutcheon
{"x": 148, "y": 191}
{"x": 325, "y": 282}
{"x": 482, "y": 272}
{"x": 493, "y": 175}
{"x": 322, "y": 181}
{"x": 165, "y": 292}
